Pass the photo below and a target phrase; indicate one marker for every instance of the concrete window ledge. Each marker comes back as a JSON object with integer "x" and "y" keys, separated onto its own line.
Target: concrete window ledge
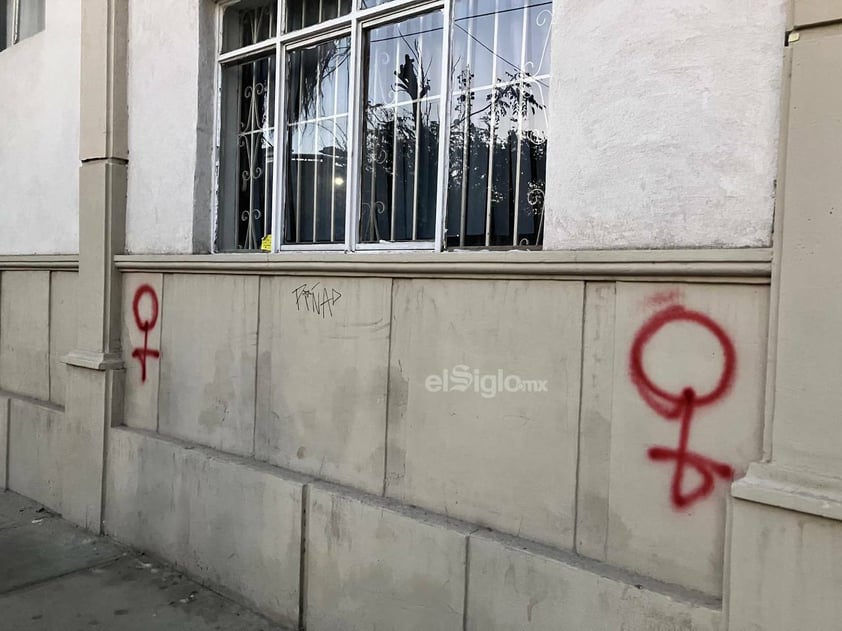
{"x": 798, "y": 491}
{"x": 722, "y": 265}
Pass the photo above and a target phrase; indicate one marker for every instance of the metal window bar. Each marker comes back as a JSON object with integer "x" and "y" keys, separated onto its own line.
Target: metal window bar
{"x": 518, "y": 162}
{"x": 416, "y": 108}
{"x": 255, "y": 135}
{"x": 395, "y": 145}
{"x": 492, "y": 140}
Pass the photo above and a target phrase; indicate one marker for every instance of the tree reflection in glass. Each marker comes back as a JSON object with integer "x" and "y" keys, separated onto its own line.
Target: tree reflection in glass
{"x": 401, "y": 121}
{"x": 498, "y": 130}
{"x": 317, "y": 143}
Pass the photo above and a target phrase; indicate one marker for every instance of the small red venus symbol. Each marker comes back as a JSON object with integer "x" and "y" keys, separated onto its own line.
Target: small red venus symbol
{"x": 682, "y": 405}
{"x": 141, "y": 354}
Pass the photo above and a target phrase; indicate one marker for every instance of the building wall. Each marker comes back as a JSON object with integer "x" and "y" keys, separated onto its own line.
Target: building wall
{"x": 328, "y": 379}
{"x": 662, "y": 135}
{"x": 664, "y": 127}
{"x": 278, "y": 426}
{"x": 39, "y": 127}
{"x": 37, "y": 328}
{"x": 170, "y": 126}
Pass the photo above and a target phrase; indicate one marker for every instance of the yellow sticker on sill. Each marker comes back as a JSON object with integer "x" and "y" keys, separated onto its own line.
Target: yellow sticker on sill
{"x": 266, "y": 244}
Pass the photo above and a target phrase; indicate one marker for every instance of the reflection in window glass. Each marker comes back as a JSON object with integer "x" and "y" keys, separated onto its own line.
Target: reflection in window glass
{"x": 20, "y": 19}
{"x": 304, "y": 13}
{"x": 248, "y": 153}
{"x": 317, "y": 142}
{"x": 498, "y": 129}
{"x": 30, "y": 18}
{"x": 401, "y": 123}
{"x": 248, "y": 23}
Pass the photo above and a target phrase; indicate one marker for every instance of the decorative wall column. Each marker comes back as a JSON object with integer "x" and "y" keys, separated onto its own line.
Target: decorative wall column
{"x": 786, "y": 549}
{"x": 94, "y": 378}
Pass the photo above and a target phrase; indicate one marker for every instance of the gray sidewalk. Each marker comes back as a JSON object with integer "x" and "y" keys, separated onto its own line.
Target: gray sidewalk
{"x": 55, "y": 576}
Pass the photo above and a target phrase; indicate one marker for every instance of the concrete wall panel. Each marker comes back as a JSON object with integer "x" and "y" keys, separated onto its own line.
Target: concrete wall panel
{"x": 504, "y": 459}
{"x": 322, "y": 375}
{"x": 806, "y": 12}
{"x": 786, "y": 570}
{"x": 370, "y": 566}
{"x": 221, "y": 518}
{"x": 25, "y": 333}
{"x": 209, "y": 360}
{"x": 141, "y": 336}
{"x": 63, "y": 323}
{"x": 595, "y": 420}
{"x": 677, "y": 533}
{"x": 36, "y": 453}
{"x": 511, "y": 587}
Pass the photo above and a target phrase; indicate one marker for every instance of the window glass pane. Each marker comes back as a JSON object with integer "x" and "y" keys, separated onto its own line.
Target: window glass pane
{"x": 248, "y": 23}
{"x": 248, "y": 154}
{"x": 401, "y": 122}
{"x": 498, "y": 132}
{"x": 303, "y": 13}
{"x": 316, "y": 164}
{"x": 31, "y": 19}
{"x": 5, "y": 23}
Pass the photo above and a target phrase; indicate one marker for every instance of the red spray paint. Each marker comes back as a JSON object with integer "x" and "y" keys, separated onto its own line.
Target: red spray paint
{"x": 682, "y": 405}
{"x": 141, "y": 354}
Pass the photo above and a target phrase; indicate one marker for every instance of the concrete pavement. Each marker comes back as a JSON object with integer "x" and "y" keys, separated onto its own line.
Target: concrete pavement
{"x": 54, "y": 576}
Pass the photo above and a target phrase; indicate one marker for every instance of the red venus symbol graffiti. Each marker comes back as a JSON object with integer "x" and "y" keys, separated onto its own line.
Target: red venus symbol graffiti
{"x": 141, "y": 354}
{"x": 682, "y": 405}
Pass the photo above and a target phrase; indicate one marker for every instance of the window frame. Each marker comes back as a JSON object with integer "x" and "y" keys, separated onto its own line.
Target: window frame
{"x": 353, "y": 25}
{"x": 13, "y": 18}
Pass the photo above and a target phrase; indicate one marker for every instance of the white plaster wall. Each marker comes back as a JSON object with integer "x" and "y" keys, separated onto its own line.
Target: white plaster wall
{"x": 664, "y": 123}
{"x": 170, "y": 126}
{"x": 39, "y": 137}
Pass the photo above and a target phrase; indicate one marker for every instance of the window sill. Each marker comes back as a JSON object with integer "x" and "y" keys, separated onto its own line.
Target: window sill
{"x": 729, "y": 265}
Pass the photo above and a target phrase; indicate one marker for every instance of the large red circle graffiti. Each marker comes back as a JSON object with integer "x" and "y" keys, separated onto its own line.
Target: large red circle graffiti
{"x": 682, "y": 405}
{"x": 145, "y": 325}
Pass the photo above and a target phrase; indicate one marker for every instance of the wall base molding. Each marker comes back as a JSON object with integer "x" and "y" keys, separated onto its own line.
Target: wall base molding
{"x": 799, "y": 491}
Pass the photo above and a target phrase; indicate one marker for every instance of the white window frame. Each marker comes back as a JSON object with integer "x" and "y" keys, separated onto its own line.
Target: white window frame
{"x": 353, "y": 25}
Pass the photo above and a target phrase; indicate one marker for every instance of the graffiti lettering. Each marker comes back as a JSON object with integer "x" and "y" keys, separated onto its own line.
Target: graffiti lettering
{"x": 315, "y": 299}
{"x": 681, "y": 406}
{"x": 145, "y": 325}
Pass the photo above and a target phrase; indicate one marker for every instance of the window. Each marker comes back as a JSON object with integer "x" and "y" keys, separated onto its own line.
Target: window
{"x": 20, "y": 19}
{"x": 383, "y": 124}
